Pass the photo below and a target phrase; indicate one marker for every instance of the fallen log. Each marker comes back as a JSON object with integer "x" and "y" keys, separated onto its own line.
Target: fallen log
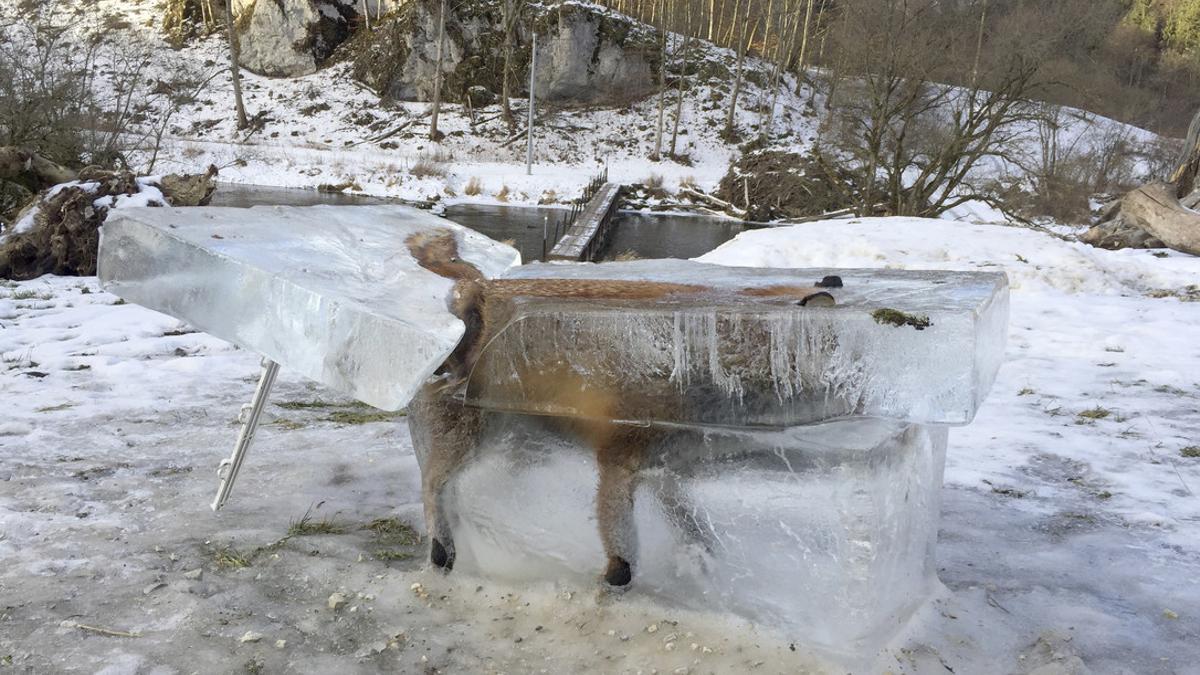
{"x": 1157, "y": 210}
{"x": 27, "y": 168}
{"x": 714, "y": 201}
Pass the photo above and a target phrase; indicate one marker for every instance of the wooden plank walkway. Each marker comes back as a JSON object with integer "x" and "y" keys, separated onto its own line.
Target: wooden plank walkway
{"x": 587, "y": 236}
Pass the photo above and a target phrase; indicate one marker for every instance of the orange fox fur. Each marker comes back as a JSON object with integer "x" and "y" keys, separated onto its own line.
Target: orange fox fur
{"x": 453, "y": 428}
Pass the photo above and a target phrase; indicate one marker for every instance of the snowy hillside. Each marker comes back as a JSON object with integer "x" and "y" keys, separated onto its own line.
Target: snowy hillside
{"x": 1069, "y": 530}
{"x": 326, "y": 129}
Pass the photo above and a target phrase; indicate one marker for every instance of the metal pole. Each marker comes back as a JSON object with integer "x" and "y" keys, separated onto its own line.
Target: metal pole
{"x": 529, "y": 124}
{"x": 545, "y": 234}
{"x": 228, "y": 470}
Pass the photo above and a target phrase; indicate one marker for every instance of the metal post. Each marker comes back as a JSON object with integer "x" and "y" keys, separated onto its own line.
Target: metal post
{"x": 228, "y": 469}
{"x": 529, "y": 124}
{"x": 545, "y": 234}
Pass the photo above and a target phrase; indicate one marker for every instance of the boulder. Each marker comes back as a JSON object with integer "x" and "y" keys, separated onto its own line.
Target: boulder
{"x": 586, "y": 55}
{"x": 289, "y": 38}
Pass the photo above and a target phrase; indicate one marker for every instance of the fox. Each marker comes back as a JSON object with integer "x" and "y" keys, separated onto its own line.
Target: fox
{"x": 451, "y": 428}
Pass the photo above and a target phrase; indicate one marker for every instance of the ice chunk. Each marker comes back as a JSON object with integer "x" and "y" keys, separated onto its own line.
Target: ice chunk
{"x": 908, "y": 345}
{"x": 329, "y": 292}
{"x": 825, "y": 532}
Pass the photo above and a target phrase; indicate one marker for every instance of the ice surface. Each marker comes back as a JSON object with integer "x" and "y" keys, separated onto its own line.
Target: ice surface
{"x": 329, "y": 292}
{"x": 724, "y": 358}
{"x": 826, "y": 531}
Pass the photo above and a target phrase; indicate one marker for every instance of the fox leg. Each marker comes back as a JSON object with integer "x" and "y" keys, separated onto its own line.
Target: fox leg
{"x": 619, "y": 457}
{"x": 452, "y": 432}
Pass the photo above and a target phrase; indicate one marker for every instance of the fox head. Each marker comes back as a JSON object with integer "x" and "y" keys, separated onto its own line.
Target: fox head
{"x": 437, "y": 252}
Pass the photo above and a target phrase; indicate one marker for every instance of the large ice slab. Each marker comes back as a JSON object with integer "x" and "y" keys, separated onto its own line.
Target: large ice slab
{"x": 825, "y": 532}
{"x": 727, "y": 358}
{"x": 329, "y": 292}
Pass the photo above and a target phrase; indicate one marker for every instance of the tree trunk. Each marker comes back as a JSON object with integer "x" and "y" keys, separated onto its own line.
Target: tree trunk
{"x": 505, "y": 87}
{"x": 800, "y": 74}
{"x": 1184, "y": 177}
{"x": 235, "y": 51}
{"x": 434, "y": 134}
{"x": 662, "y": 93}
{"x": 737, "y": 80}
{"x": 679, "y": 98}
{"x": 27, "y": 168}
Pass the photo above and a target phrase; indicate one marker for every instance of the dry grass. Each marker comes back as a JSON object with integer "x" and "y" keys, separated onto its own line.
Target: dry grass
{"x": 431, "y": 164}
{"x": 688, "y": 182}
{"x": 473, "y": 186}
{"x": 625, "y": 256}
{"x": 654, "y": 181}
{"x": 502, "y": 195}
{"x": 306, "y": 527}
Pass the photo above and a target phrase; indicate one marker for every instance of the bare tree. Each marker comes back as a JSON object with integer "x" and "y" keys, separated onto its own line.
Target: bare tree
{"x": 235, "y": 66}
{"x": 743, "y": 47}
{"x": 915, "y": 141}
{"x": 511, "y": 12}
{"x": 662, "y": 90}
{"x": 434, "y": 134}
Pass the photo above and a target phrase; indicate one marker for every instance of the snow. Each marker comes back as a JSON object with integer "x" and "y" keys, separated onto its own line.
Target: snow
{"x": 1061, "y": 532}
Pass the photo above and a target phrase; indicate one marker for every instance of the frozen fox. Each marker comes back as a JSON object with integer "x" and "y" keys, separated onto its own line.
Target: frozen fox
{"x": 620, "y": 449}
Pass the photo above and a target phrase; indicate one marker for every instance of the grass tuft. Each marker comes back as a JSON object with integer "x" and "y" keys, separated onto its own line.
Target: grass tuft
{"x": 473, "y": 186}
{"x": 1191, "y": 452}
{"x": 363, "y": 416}
{"x": 393, "y": 532}
{"x": 1097, "y": 413}
{"x": 229, "y": 557}
{"x": 391, "y": 555}
{"x": 307, "y": 527}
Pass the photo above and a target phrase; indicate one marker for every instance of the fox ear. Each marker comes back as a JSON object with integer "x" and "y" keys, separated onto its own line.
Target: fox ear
{"x": 821, "y": 299}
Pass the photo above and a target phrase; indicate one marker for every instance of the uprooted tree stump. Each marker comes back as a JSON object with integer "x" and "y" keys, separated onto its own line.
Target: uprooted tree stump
{"x": 60, "y": 231}
{"x": 1158, "y": 215}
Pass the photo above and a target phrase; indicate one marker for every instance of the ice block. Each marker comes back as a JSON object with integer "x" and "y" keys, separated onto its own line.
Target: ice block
{"x": 793, "y": 467}
{"x": 824, "y": 532}
{"x": 329, "y": 292}
{"x": 920, "y": 346}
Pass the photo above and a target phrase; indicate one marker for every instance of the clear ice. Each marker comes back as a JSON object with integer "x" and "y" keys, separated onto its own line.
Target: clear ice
{"x": 329, "y": 292}
{"x": 725, "y": 358}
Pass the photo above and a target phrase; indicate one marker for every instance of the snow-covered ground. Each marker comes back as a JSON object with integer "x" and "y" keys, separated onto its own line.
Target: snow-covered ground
{"x": 1071, "y": 527}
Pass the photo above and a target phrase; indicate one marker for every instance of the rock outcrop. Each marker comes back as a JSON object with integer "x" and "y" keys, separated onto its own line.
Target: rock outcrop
{"x": 585, "y": 54}
{"x": 289, "y": 38}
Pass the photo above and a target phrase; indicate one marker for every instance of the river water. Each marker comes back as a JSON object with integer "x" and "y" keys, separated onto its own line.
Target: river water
{"x": 642, "y": 234}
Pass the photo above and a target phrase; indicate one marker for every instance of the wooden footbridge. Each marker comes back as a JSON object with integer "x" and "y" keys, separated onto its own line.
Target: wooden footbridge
{"x": 588, "y": 229}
